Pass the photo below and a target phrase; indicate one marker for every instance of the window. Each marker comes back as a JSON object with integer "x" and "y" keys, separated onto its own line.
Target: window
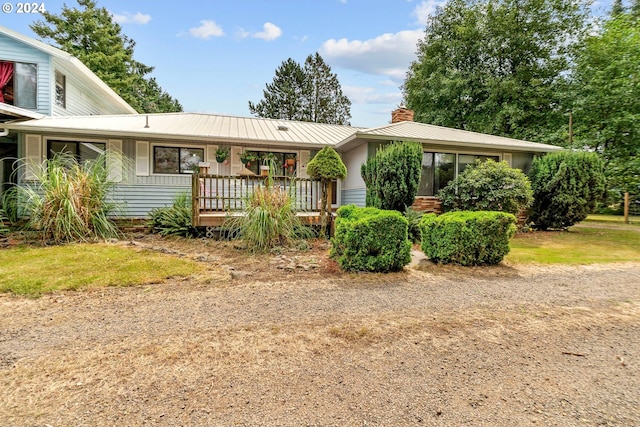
{"x": 522, "y": 161}
{"x": 82, "y": 151}
{"x": 437, "y": 170}
{"x": 468, "y": 159}
{"x": 440, "y": 168}
{"x": 61, "y": 90}
{"x": 177, "y": 159}
{"x": 19, "y": 84}
{"x": 284, "y": 166}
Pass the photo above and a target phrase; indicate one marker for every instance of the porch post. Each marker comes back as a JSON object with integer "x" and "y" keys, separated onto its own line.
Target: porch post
{"x": 195, "y": 197}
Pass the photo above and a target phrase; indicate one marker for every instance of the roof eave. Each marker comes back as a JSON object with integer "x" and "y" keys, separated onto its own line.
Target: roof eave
{"x": 159, "y": 136}
{"x": 534, "y": 147}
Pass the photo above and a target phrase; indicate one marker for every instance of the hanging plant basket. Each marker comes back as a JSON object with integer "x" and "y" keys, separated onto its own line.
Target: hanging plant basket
{"x": 222, "y": 154}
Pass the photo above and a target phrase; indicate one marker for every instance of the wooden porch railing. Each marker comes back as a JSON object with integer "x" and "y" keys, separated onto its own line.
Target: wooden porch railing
{"x": 218, "y": 194}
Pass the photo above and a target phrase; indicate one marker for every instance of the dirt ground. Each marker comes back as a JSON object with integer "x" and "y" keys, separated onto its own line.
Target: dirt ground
{"x": 288, "y": 340}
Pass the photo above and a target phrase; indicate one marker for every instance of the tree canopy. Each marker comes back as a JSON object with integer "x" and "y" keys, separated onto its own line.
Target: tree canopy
{"x": 496, "y": 66}
{"x": 606, "y": 85}
{"x": 311, "y": 93}
{"x": 284, "y": 97}
{"x": 90, "y": 34}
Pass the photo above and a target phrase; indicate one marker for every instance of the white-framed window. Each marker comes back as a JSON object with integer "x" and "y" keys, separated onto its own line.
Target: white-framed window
{"x": 83, "y": 151}
{"x": 61, "y": 90}
{"x": 169, "y": 159}
{"x": 19, "y": 84}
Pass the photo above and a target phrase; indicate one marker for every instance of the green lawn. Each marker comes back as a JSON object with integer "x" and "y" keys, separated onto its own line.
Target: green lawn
{"x": 612, "y": 219}
{"x": 599, "y": 239}
{"x": 34, "y": 271}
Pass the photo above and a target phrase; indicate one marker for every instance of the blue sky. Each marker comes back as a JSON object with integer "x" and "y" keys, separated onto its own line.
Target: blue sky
{"x": 215, "y": 56}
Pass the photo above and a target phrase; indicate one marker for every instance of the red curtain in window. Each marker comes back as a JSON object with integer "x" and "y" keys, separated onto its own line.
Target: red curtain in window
{"x": 6, "y": 71}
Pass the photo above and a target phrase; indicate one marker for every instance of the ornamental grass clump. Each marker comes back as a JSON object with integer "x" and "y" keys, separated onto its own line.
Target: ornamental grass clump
{"x": 269, "y": 220}
{"x": 175, "y": 219}
{"x": 70, "y": 202}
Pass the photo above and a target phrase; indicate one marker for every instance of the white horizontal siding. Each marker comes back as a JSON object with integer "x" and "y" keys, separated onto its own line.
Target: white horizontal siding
{"x": 137, "y": 201}
{"x": 15, "y": 51}
{"x": 81, "y": 100}
{"x": 355, "y": 196}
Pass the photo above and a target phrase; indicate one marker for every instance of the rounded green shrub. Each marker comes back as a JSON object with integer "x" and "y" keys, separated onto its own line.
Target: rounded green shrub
{"x": 566, "y": 188}
{"x": 326, "y": 166}
{"x": 370, "y": 239}
{"x": 488, "y": 186}
{"x": 467, "y": 238}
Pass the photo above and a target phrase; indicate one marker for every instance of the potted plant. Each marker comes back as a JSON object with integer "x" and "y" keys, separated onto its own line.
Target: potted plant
{"x": 222, "y": 154}
{"x": 290, "y": 160}
{"x": 267, "y": 160}
{"x": 246, "y": 157}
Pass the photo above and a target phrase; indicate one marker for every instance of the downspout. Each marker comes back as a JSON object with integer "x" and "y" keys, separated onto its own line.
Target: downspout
{"x": 5, "y": 132}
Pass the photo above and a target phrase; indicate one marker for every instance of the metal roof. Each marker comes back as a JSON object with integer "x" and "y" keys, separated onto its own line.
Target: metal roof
{"x": 420, "y": 132}
{"x": 195, "y": 127}
{"x": 243, "y": 130}
{"x": 83, "y": 72}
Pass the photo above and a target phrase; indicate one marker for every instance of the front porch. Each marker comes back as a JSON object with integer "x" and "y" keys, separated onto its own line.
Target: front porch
{"x": 216, "y": 197}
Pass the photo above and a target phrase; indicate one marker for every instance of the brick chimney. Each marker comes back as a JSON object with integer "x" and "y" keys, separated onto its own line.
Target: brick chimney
{"x": 402, "y": 114}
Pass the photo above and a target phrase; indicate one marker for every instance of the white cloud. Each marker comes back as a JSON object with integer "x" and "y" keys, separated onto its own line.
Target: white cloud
{"x": 242, "y": 33}
{"x": 270, "y": 32}
{"x": 369, "y": 95}
{"x": 131, "y": 18}
{"x": 207, "y": 29}
{"x": 426, "y": 8}
{"x": 388, "y": 55}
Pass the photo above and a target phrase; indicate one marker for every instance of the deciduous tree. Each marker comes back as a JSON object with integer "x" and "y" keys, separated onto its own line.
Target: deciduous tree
{"x": 495, "y": 66}
{"x": 606, "y": 83}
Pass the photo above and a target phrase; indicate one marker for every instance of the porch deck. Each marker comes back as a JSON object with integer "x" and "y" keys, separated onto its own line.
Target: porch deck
{"x": 215, "y": 198}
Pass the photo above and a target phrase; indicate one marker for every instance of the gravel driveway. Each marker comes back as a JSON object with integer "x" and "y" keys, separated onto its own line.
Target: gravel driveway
{"x": 263, "y": 343}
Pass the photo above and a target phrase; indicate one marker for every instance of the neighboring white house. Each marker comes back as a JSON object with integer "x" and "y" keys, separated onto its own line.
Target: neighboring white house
{"x": 52, "y": 103}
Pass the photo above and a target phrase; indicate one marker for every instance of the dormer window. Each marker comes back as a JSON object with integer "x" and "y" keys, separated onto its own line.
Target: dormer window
{"x": 61, "y": 90}
{"x": 19, "y": 84}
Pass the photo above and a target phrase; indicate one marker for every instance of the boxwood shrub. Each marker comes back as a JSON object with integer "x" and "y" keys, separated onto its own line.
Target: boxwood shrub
{"x": 370, "y": 239}
{"x": 467, "y": 238}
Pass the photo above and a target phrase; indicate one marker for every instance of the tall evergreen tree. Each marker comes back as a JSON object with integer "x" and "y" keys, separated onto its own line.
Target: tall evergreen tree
{"x": 495, "y": 66}
{"x": 617, "y": 8}
{"x": 90, "y": 34}
{"x": 324, "y": 98}
{"x": 311, "y": 93}
{"x": 284, "y": 97}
